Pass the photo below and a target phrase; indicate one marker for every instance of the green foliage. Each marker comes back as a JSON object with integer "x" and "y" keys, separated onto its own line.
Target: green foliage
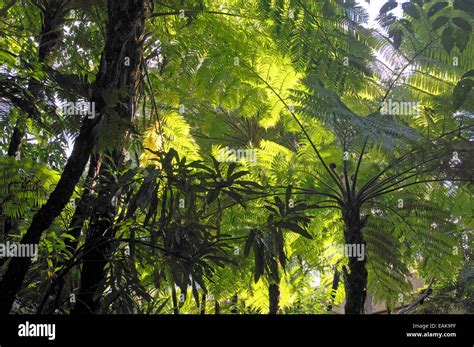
{"x": 24, "y": 185}
{"x": 299, "y": 83}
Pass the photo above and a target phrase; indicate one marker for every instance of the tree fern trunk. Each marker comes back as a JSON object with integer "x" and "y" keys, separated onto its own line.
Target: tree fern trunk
{"x": 355, "y": 281}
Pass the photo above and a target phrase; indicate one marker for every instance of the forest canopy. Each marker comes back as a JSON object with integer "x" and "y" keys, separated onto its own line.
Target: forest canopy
{"x": 236, "y": 156}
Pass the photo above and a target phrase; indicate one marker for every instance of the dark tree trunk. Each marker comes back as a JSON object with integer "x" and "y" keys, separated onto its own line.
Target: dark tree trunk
{"x": 51, "y": 28}
{"x": 17, "y": 268}
{"x": 217, "y": 307}
{"x": 96, "y": 250}
{"x": 111, "y": 76}
{"x": 15, "y": 141}
{"x": 82, "y": 211}
{"x": 355, "y": 281}
{"x": 203, "y": 303}
{"x": 126, "y": 21}
{"x": 335, "y": 285}
{"x": 81, "y": 214}
{"x": 274, "y": 289}
{"x": 274, "y": 294}
{"x": 174, "y": 299}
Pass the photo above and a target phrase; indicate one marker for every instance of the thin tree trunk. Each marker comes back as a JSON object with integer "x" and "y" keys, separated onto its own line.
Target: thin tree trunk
{"x": 217, "y": 307}
{"x": 274, "y": 294}
{"x": 274, "y": 289}
{"x": 15, "y": 141}
{"x": 174, "y": 299}
{"x": 355, "y": 281}
{"x": 335, "y": 285}
{"x": 82, "y": 211}
{"x": 203, "y": 303}
{"x": 126, "y": 20}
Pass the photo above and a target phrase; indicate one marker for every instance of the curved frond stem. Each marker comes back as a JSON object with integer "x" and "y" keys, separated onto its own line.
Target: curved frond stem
{"x": 402, "y": 70}
{"x": 415, "y": 183}
{"x": 333, "y": 176}
{"x": 155, "y": 107}
{"x": 315, "y": 192}
{"x": 345, "y": 174}
{"x": 257, "y": 198}
{"x": 359, "y": 161}
{"x": 376, "y": 189}
{"x": 395, "y": 176}
{"x": 405, "y": 156}
{"x": 321, "y": 180}
{"x": 305, "y": 9}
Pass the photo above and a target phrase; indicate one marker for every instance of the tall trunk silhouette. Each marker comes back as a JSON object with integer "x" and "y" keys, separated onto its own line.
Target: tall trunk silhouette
{"x": 126, "y": 20}
{"x": 125, "y": 17}
{"x": 355, "y": 281}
